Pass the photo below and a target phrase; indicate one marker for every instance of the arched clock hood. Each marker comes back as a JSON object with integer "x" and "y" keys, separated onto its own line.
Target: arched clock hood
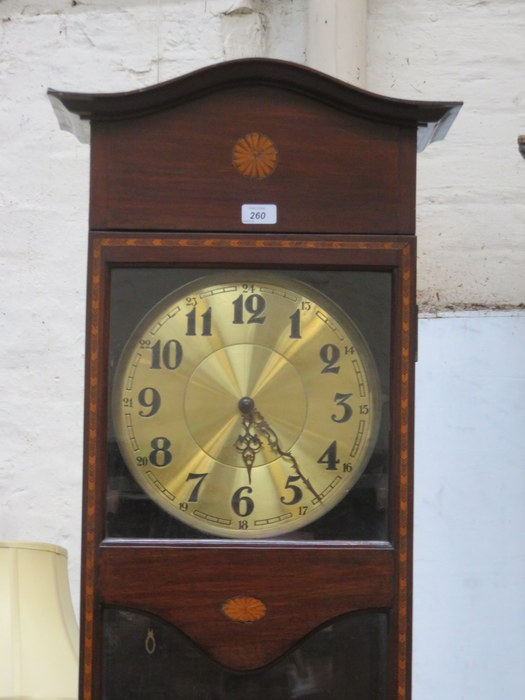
{"x": 75, "y": 110}
{"x": 346, "y": 156}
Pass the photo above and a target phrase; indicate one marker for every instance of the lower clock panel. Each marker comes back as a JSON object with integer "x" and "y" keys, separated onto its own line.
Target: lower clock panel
{"x": 147, "y": 658}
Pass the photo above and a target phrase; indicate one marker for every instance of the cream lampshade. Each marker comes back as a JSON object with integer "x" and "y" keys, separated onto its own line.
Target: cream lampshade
{"x": 38, "y": 629}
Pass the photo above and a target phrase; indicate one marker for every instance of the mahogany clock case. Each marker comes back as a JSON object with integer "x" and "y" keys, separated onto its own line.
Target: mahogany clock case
{"x": 169, "y": 180}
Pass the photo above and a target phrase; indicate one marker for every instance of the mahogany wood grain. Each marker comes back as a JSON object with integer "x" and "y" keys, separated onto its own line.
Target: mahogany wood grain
{"x": 301, "y": 587}
{"x": 335, "y": 172}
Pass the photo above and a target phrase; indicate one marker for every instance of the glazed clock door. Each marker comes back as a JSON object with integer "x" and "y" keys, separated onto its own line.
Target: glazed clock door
{"x": 246, "y": 404}
{"x": 346, "y": 659}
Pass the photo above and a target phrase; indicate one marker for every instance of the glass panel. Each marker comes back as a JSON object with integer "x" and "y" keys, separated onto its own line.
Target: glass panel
{"x": 146, "y": 659}
{"x": 365, "y": 296}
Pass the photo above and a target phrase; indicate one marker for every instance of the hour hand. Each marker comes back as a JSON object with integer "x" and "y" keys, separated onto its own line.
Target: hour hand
{"x": 248, "y": 443}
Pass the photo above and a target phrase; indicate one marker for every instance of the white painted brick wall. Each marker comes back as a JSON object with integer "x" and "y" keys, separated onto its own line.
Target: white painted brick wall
{"x": 471, "y": 203}
{"x": 470, "y": 223}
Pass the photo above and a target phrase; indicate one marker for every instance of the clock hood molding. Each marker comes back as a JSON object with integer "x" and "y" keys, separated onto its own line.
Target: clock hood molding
{"x": 75, "y": 110}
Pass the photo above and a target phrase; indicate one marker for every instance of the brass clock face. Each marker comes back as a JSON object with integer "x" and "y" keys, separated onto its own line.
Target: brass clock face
{"x": 246, "y": 404}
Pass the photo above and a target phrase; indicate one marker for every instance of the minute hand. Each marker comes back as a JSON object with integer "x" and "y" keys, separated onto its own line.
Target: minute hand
{"x": 262, "y": 427}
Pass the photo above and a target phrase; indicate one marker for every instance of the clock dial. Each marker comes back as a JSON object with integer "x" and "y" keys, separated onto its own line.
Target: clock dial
{"x": 246, "y": 404}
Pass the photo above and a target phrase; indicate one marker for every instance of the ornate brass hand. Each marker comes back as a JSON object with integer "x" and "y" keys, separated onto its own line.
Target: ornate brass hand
{"x": 250, "y": 443}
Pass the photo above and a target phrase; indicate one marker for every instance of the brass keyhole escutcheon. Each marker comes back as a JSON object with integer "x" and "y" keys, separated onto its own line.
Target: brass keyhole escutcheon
{"x": 150, "y": 643}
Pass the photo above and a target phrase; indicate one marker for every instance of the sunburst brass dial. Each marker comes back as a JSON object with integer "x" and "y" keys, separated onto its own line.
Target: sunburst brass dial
{"x": 246, "y": 404}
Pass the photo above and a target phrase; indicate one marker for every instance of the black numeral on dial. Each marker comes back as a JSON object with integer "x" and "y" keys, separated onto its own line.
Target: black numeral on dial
{"x": 329, "y": 457}
{"x": 160, "y": 456}
{"x": 191, "y": 328}
{"x": 341, "y": 400}
{"x": 149, "y": 398}
{"x": 243, "y": 505}
{"x": 254, "y": 304}
{"x": 168, "y": 355}
{"x": 199, "y": 478}
{"x": 295, "y": 330}
{"x": 296, "y": 493}
{"x": 330, "y": 355}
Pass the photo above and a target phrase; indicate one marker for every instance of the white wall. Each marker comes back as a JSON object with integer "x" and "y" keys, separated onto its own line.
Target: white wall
{"x": 471, "y": 206}
{"x": 470, "y": 480}
{"x": 469, "y": 559}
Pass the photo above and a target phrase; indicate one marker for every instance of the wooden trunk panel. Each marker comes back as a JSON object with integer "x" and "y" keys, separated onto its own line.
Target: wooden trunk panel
{"x": 170, "y": 582}
{"x": 301, "y": 588}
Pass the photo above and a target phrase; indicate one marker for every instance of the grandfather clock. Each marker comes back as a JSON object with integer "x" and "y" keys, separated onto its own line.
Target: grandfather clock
{"x": 251, "y": 342}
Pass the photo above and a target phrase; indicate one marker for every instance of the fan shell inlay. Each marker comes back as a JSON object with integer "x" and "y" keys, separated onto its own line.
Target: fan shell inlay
{"x": 244, "y": 609}
{"x": 255, "y": 156}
